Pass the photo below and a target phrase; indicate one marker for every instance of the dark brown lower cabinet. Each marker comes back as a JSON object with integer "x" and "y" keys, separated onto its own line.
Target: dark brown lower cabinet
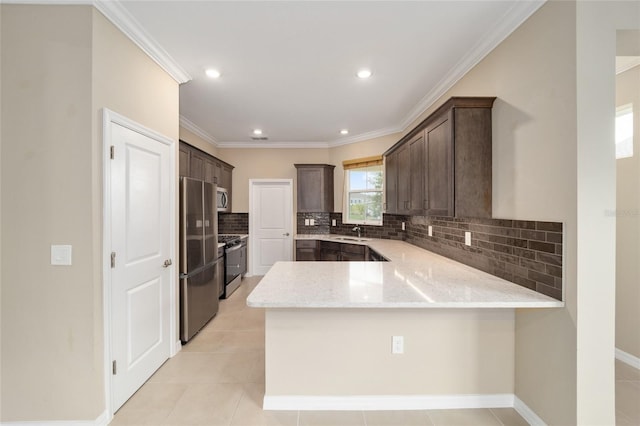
{"x": 342, "y": 252}
{"x": 307, "y": 250}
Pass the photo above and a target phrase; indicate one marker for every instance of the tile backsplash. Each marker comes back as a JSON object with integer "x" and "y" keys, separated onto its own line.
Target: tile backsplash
{"x": 390, "y": 230}
{"x": 233, "y": 223}
{"x": 527, "y": 253}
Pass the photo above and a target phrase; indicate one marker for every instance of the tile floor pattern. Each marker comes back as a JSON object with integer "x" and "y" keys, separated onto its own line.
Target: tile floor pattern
{"x": 218, "y": 379}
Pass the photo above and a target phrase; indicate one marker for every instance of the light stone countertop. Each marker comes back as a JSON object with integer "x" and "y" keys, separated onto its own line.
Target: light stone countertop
{"x": 413, "y": 278}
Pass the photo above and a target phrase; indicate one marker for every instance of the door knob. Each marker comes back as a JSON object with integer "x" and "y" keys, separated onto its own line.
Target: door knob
{"x": 167, "y": 263}
{"x": 286, "y": 235}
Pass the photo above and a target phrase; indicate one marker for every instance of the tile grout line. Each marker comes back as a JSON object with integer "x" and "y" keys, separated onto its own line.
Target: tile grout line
{"x": 496, "y": 417}
{"x": 235, "y": 410}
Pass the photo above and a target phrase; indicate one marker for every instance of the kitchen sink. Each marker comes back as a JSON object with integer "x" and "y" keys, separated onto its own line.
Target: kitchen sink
{"x": 350, "y": 239}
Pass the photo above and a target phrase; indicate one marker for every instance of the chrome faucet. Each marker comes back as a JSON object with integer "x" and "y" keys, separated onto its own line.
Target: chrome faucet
{"x": 357, "y": 228}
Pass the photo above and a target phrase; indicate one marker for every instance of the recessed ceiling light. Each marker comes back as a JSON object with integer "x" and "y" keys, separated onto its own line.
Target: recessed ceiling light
{"x": 212, "y": 73}
{"x": 257, "y": 132}
{"x": 344, "y": 132}
{"x": 364, "y": 73}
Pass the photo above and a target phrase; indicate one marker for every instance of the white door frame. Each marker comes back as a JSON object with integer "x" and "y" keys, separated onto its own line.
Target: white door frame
{"x": 252, "y": 236}
{"x": 109, "y": 117}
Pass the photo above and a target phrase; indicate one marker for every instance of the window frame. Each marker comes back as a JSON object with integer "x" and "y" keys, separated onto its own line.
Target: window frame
{"x": 621, "y": 111}
{"x": 347, "y": 192}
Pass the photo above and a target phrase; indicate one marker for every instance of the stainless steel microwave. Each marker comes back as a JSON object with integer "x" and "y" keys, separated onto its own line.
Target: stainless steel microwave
{"x": 222, "y": 198}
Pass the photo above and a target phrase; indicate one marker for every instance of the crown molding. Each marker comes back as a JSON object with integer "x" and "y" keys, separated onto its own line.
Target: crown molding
{"x": 365, "y": 136}
{"x": 193, "y": 128}
{"x": 125, "y": 22}
{"x": 129, "y": 26}
{"x": 631, "y": 63}
{"x": 513, "y": 18}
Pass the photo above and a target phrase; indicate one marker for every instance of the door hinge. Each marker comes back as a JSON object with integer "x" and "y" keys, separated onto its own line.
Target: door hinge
{"x": 112, "y": 152}
{"x": 113, "y": 259}
{"x": 114, "y": 367}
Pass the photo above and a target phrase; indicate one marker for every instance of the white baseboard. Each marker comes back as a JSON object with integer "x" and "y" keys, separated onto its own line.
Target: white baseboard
{"x": 102, "y": 420}
{"x": 177, "y": 348}
{"x": 386, "y": 402}
{"x": 527, "y": 413}
{"x": 627, "y": 358}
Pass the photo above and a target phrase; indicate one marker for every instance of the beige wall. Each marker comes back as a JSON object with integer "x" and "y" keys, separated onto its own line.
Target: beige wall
{"x": 195, "y": 140}
{"x": 355, "y": 345}
{"x": 259, "y": 163}
{"x": 534, "y": 167}
{"x": 255, "y": 163}
{"x": 58, "y": 72}
{"x": 356, "y": 150}
{"x": 628, "y": 224}
{"x": 49, "y": 342}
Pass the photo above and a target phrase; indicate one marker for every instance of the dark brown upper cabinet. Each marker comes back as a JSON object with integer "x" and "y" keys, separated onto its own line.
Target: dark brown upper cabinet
{"x": 443, "y": 166}
{"x": 198, "y": 164}
{"x": 315, "y": 187}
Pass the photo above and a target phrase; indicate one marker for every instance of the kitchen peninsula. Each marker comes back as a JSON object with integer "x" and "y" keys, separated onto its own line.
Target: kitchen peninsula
{"x": 420, "y": 331}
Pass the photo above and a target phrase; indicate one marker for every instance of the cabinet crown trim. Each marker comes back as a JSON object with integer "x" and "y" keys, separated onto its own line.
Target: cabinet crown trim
{"x": 453, "y": 102}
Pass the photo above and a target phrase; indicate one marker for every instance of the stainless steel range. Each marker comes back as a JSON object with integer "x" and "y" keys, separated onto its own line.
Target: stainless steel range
{"x": 235, "y": 264}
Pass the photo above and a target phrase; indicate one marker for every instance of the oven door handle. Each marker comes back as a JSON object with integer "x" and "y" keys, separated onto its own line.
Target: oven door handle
{"x": 232, "y": 249}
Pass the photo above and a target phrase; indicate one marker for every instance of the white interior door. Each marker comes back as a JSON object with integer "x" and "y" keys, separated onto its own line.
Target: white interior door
{"x": 271, "y": 223}
{"x": 141, "y": 210}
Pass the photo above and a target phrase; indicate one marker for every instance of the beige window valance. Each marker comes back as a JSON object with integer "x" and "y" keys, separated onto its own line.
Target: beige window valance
{"x": 376, "y": 160}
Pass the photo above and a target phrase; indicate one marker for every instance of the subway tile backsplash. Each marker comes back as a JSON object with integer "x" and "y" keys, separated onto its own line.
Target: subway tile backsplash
{"x": 233, "y": 223}
{"x": 527, "y": 253}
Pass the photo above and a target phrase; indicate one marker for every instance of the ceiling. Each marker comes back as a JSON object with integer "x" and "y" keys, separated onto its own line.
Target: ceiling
{"x": 289, "y": 68}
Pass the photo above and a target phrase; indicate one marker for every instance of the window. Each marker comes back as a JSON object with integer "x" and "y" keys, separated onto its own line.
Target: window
{"x": 624, "y": 131}
{"x": 363, "y": 182}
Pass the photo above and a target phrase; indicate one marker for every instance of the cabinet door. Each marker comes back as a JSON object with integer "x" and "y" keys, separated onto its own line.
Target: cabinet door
{"x": 184, "y": 157}
{"x": 391, "y": 183}
{"x": 209, "y": 171}
{"x": 196, "y": 165}
{"x": 227, "y": 183}
{"x": 352, "y": 253}
{"x": 416, "y": 175}
{"x": 439, "y": 167}
{"x": 217, "y": 173}
{"x": 329, "y": 251}
{"x": 330, "y": 255}
{"x": 305, "y": 254}
{"x": 307, "y": 250}
{"x": 404, "y": 165}
{"x": 315, "y": 187}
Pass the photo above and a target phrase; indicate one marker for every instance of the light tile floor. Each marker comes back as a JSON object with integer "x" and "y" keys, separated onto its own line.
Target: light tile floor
{"x": 218, "y": 379}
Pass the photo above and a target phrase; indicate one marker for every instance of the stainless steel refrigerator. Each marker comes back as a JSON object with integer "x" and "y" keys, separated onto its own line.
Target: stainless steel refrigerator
{"x": 198, "y": 256}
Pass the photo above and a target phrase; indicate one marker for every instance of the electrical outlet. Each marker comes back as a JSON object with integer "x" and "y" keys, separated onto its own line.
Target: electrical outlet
{"x": 312, "y": 222}
{"x": 467, "y": 238}
{"x": 403, "y": 226}
{"x": 333, "y": 222}
{"x": 430, "y": 230}
{"x": 397, "y": 345}
{"x": 61, "y": 255}
{"x": 306, "y": 222}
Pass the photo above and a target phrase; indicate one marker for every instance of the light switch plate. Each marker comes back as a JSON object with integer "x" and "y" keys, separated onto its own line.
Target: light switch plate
{"x": 467, "y": 238}
{"x": 312, "y": 222}
{"x": 430, "y": 230}
{"x": 403, "y": 227}
{"x": 397, "y": 344}
{"x": 333, "y": 222}
{"x": 306, "y": 222}
{"x": 61, "y": 255}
